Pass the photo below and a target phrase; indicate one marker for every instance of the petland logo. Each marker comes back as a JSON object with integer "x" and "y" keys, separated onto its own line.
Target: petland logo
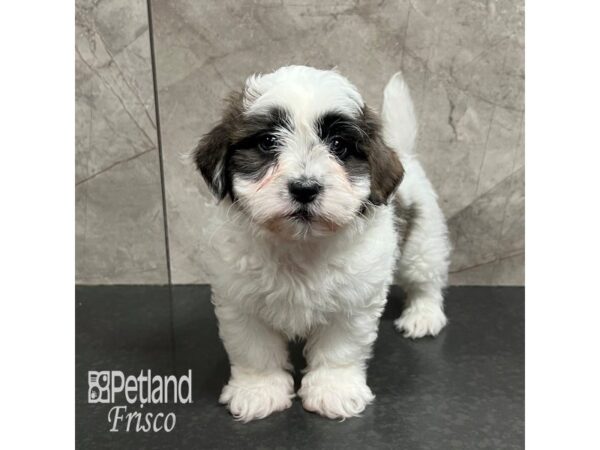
{"x": 112, "y": 386}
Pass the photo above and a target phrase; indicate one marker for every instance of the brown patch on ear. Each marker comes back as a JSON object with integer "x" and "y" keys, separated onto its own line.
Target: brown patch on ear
{"x": 385, "y": 167}
{"x": 210, "y": 154}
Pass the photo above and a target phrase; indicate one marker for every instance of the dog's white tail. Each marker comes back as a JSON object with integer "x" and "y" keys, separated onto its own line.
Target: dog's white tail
{"x": 398, "y": 116}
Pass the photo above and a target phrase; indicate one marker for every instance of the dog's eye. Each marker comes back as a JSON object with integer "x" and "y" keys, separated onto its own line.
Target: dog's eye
{"x": 268, "y": 142}
{"x": 339, "y": 147}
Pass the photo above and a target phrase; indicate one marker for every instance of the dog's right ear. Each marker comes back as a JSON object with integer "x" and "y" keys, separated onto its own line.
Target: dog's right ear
{"x": 210, "y": 156}
{"x": 211, "y": 152}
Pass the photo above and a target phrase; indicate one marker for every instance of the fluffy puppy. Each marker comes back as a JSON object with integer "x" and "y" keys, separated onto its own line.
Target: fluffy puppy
{"x": 321, "y": 199}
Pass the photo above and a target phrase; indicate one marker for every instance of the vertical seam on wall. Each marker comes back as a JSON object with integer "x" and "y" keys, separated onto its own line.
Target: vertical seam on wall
{"x": 162, "y": 183}
{"x": 159, "y": 142}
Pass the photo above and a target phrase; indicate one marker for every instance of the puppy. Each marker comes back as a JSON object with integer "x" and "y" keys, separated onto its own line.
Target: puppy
{"x": 321, "y": 200}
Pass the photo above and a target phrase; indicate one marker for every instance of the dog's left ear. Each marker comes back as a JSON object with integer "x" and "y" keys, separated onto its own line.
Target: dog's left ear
{"x": 211, "y": 152}
{"x": 384, "y": 164}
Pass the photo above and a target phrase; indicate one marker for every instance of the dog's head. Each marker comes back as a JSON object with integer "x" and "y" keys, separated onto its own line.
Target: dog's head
{"x": 300, "y": 153}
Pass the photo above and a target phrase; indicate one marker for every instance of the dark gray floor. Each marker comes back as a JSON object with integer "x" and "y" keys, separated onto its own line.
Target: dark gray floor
{"x": 461, "y": 390}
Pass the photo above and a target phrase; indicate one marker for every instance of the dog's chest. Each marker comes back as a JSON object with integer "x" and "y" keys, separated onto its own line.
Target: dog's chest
{"x": 297, "y": 289}
{"x": 294, "y": 293}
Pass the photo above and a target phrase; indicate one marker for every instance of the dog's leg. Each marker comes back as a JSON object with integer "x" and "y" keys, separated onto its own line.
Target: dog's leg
{"x": 424, "y": 314}
{"x": 423, "y": 271}
{"x": 335, "y": 384}
{"x": 260, "y": 383}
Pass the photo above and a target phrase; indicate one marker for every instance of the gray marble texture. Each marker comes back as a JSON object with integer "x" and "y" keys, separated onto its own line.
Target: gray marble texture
{"x": 463, "y": 60}
{"x": 119, "y": 217}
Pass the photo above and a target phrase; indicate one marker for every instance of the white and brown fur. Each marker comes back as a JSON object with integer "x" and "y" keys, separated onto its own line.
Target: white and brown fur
{"x": 319, "y": 269}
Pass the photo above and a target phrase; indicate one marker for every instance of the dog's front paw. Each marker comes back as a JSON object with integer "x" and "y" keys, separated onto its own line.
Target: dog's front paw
{"x": 252, "y": 395}
{"x": 335, "y": 393}
{"x": 421, "y": 320}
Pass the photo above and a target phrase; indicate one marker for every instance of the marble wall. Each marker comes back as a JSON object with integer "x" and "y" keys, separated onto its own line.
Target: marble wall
{"x": 463, "y": 59}
{"x": 119, "y": 216}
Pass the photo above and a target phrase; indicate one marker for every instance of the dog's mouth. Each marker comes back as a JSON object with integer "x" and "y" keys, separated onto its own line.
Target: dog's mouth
{"x": 306, "y": 217}
{"x": 302, "y": 215}
{"x": 301, "y": 224}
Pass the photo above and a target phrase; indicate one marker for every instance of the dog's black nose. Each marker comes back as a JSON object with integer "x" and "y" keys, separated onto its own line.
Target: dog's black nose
{"x": 304, "y": 190}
